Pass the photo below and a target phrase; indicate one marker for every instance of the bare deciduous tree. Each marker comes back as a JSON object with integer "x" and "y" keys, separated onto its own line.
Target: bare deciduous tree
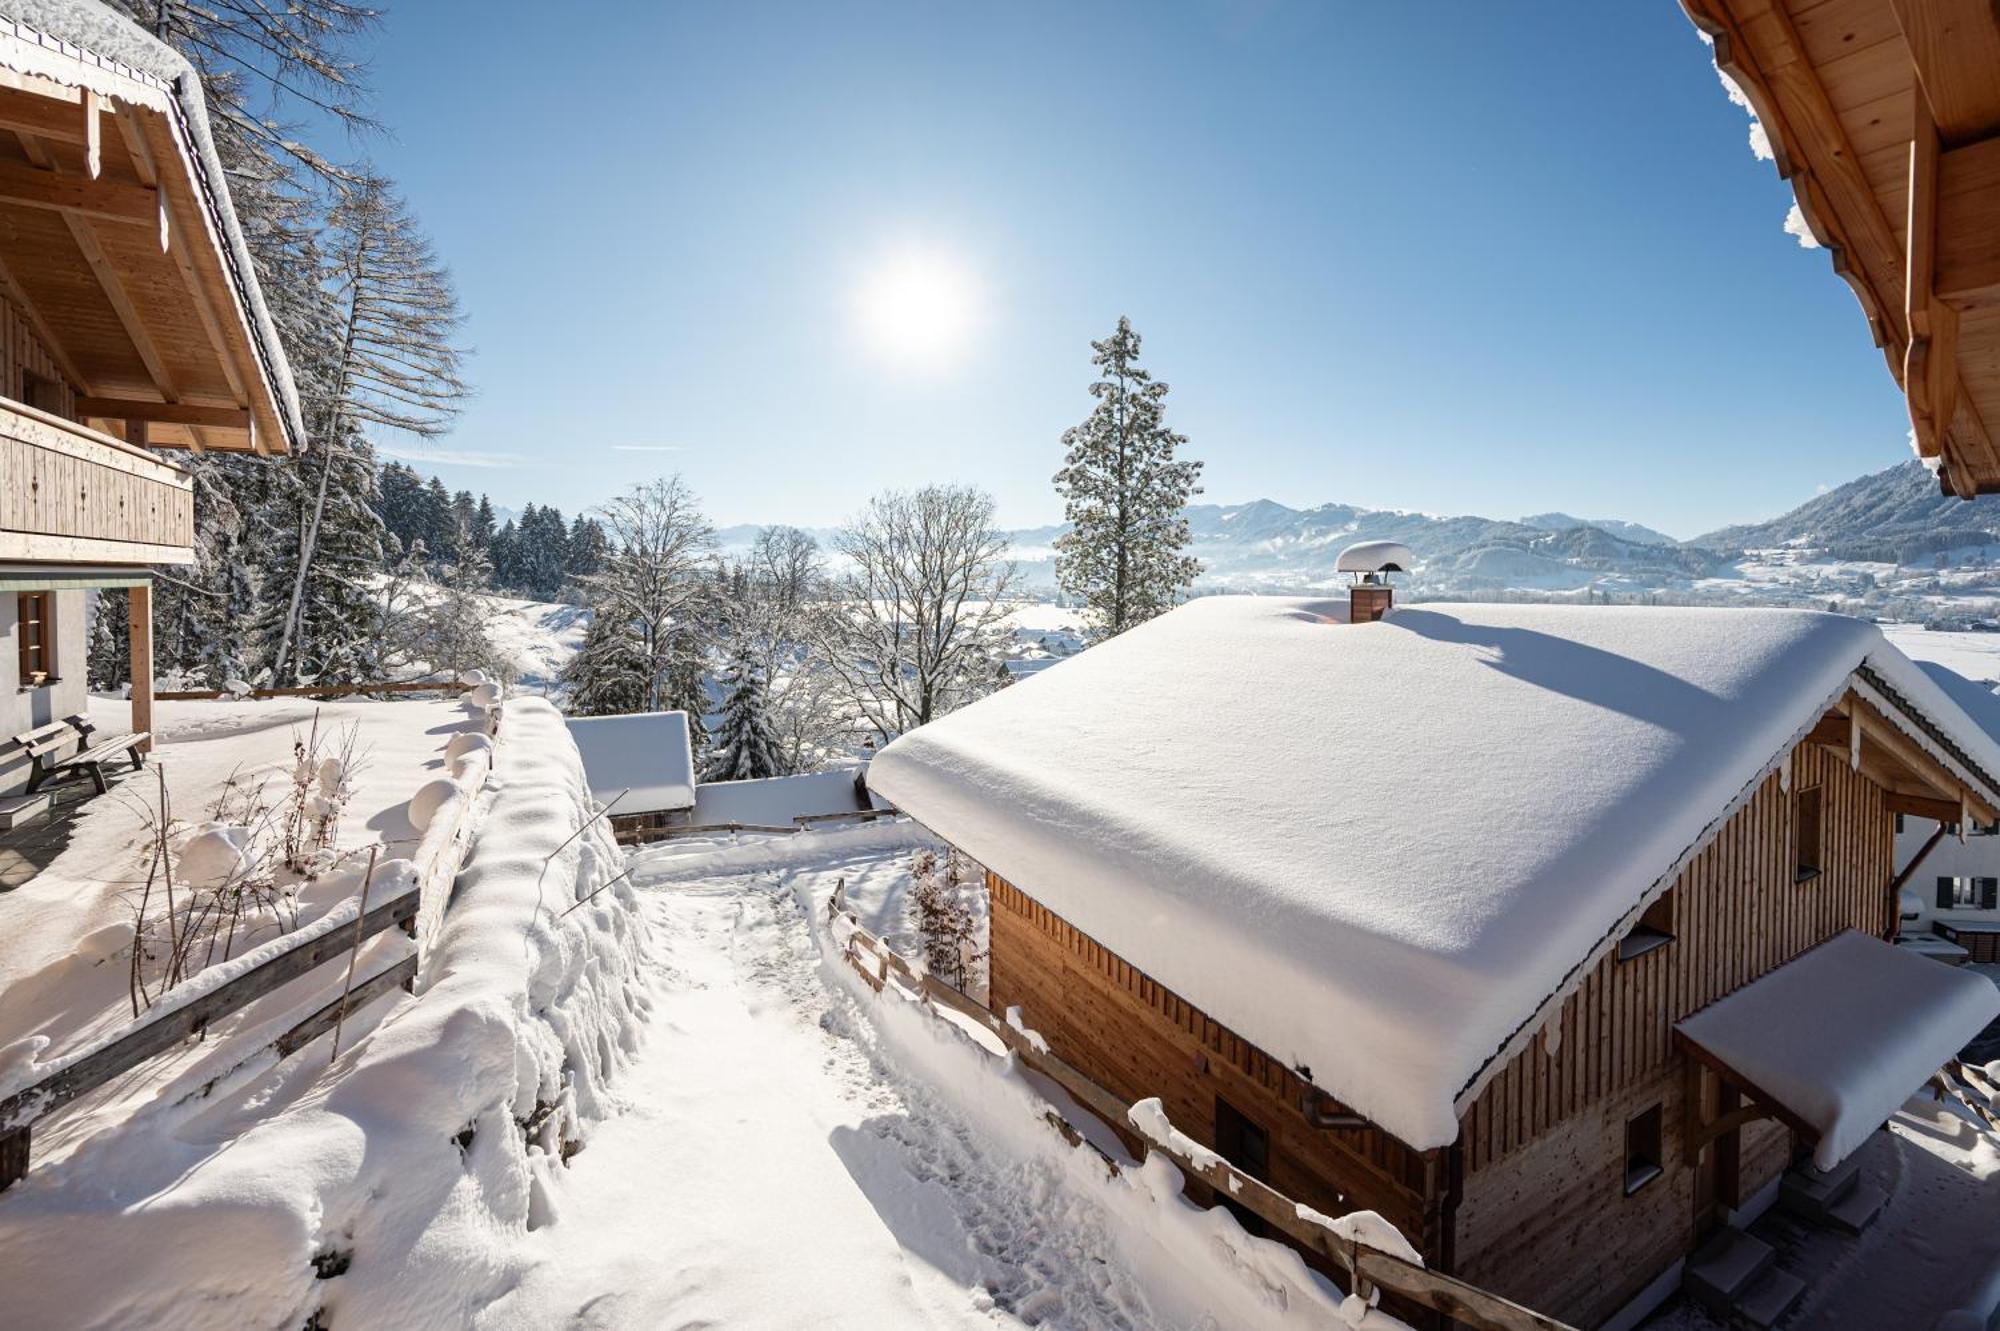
{"x": 653, "y": 579}
{"x": 917, "y": 624}
{"x": 395, "y": 356}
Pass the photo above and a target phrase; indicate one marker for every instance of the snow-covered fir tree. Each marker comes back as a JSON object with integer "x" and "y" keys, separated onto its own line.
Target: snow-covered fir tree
{"x": 1125, "y": 554}
{"x": 608, "y": 674}
{"x": 745, "y": 749}
{"x": 331, "y": 632}
{"x": 110, "y": 663}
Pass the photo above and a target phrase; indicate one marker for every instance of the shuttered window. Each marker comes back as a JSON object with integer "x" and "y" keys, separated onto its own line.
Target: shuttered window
{"x": 34, "y": 632}
{"x": 1968, "y": 893}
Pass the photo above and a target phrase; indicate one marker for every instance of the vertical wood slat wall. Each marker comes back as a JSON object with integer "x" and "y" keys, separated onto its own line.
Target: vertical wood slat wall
{"x": 1138, "y": 1038}
{"x": 22, "y": 353}
{"x": 1737, "y": 913}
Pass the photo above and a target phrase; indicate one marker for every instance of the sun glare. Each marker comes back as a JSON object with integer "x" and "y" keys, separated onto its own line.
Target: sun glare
{"x": 918, "y": 309}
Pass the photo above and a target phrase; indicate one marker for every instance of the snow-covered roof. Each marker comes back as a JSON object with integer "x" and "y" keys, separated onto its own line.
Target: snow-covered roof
{"x": 776, "y": 801}
{"x": 86, "y": 43}
{"x": 1382, "y": 852}
{"x": 1843, "y": 1034}
{"x": 647, "y": 755}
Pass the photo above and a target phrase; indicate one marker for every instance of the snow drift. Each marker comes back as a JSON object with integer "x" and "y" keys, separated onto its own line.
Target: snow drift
{"x": 337, "y": 1192}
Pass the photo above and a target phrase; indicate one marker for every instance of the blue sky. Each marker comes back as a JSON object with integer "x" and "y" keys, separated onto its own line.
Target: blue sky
{"x": 1459, "y": 257}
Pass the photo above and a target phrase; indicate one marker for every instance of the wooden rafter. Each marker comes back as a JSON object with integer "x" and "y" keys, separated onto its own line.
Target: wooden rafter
{"x": 164, "y": 413}
{"x": 100, "y": 200}
{"x": 1955, "y": 48}
{"x": 19, "y": 296}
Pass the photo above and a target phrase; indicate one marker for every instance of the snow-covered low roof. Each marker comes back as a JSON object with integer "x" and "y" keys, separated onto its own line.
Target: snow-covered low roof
{"x": 647, "y": 755}
{"x": 1841, "y": 1035}
{"x": 1380, "y": 851}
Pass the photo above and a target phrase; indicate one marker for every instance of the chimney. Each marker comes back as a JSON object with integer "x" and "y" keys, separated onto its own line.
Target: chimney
{"x": 1370, "y": 563}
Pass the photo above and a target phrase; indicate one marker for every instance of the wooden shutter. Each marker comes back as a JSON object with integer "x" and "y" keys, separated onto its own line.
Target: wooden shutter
{"x": 1989, "y": 893}
{"x": 1944, "y": 899}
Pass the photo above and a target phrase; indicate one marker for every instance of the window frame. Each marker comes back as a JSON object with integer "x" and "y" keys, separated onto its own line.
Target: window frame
{"x": 1645, "y": 1147}
{"x": 36, "y": 609}
{"x": 1808, "y": 816}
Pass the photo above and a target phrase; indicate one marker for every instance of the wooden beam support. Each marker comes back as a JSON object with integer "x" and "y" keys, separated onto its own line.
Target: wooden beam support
{"x": 1968, "y": 223}
{"x": 93, "y": 141}
{"x": 139, "y": 616}
{"x": 17, "y": 294}
{"x": 103, "y": 200}
{"x": 1769, "y": 1102}
{"x": 1955, "y": 46}
{"x": 164, "y": 413}
{"x": 1928, "y": 769}
{"x": 121, "y": 302}
{"x": 1830, "y": 730}
{"x": 1916, "y": 806}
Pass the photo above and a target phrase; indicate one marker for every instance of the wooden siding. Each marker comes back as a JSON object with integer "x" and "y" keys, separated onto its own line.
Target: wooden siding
{"x": 22, "y": 353}
{"x": 1543, "y": 1217}
{"x": 68, "y": 494}
{"x": 1137, "y": 1038}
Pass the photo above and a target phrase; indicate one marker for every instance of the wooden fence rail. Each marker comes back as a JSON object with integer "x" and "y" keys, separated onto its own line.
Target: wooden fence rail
{"x": 153, "y": 1033}
{"x": 319, "y": 690}
{"x": 1366, "y": 1267}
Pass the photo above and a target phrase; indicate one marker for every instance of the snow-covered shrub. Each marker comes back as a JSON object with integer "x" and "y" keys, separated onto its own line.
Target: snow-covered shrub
{"x": 945, "y": 922}
{"x": 323, "y": 769}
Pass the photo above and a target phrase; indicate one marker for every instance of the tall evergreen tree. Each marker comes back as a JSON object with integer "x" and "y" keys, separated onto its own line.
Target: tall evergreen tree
{"x": 608, "y": 674}
{"x": 745, "y": 747}
{"x": 1124, "y": 491}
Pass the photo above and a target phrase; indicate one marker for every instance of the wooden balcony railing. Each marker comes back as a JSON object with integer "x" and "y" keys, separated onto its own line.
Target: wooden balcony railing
{"x": 69, "y": 494}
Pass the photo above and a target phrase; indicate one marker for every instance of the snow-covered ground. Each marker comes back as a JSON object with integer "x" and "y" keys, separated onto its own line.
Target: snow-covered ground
{"x": 796, "y": 1151}
{"x": 65, "y": 926}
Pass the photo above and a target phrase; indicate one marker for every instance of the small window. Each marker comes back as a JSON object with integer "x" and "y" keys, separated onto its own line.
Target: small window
{"x": 1247, "y": 1146}
{"x": 1806, "y": 838}
{"x": 1899, "y": 824}
{"x": 41, "y": 392}
{"x": 1642, "y": 1150}
{"x": 1655, "y": 929}
{"x": 1968, "y": 893}
{"x": 35, "y": 633}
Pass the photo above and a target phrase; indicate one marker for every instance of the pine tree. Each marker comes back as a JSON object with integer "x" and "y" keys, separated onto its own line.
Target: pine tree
{"x": 110, "y": 663}
{"x": 331, "y": 631}
{"x": 1124, "y": 492}
{"x": 608, "y": 675}
{"x": 745, "y": 747}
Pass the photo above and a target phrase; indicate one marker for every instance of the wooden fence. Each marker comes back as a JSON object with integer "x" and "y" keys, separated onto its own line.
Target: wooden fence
{"x": 638, "y": 836}
{"x": 319, "y": 690}
{"x": 1366, "y": 1268}
{"x": 417, "y": 908}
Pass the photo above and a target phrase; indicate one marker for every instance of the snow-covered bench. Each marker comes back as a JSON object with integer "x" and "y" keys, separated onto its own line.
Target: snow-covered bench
{"x": 44, "y": 743}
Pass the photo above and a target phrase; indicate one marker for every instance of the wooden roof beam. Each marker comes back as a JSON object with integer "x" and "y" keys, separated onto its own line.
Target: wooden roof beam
{"x": 100, "y": 200}
{"x": 1955, "y": 46}
{"x": 19, "y": 296}
{"x": 164, "y": 413}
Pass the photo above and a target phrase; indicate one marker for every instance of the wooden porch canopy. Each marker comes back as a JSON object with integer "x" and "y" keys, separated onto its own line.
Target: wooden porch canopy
{"x": 1832, "y": 1042}
{"x": 124, "y": 260}
{"x": 1924, "y": 773}
{"x": 1885, "y": 117}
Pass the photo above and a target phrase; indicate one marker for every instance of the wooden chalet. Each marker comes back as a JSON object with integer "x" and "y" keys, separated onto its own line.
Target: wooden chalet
{"x": 1479, "y": 917}
{"x": 130, "y": 322}
{"x": 1885, "y": 117}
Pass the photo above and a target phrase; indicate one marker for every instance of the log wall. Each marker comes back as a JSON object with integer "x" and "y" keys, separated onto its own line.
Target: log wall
{"x": 1139, "y": 1039}
{"x": 1543, "y": 1217}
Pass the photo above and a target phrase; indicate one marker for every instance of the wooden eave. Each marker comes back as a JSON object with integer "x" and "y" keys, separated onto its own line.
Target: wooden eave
{"x": 111, "y": 246}
{"x": 1884, "y": 115}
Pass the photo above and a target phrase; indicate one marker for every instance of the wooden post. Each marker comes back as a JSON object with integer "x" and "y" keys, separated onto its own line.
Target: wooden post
{"x": 13, "y": 1156}
{"x": 139, "y": 611}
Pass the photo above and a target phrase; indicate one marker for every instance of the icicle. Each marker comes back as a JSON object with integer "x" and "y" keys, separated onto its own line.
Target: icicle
{"x": 1854, "y": 739}
{"x": 1785, "y": 774}
{"x": 1964, "y": 814}
{"x": 1552, "y": 1034}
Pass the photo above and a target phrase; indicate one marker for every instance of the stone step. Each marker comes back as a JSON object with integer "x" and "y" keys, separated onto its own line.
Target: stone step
{"x": 1861, "y": 1205}
{"x": 1769, "y": 1297}
{"x": 1727, "y": 1266}
{"x": 1823, "y": 1188}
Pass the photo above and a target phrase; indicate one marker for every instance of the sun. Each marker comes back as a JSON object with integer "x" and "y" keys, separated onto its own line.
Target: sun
{"x": 918, "y": 309}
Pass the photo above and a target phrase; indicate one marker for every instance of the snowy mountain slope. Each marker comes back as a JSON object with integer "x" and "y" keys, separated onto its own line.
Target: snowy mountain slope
{"x": 1897, "y": 508}
{"x": 1637, "y": 533}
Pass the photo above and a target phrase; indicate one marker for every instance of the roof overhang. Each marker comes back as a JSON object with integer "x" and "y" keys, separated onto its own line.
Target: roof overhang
{"x": 1885, "y": 117}
{"x": 120, "y": 251}
{"x": 1836, "y": 1039}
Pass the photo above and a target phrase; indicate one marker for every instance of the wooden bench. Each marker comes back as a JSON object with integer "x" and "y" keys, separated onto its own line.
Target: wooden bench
{"x": 43, "y": 742}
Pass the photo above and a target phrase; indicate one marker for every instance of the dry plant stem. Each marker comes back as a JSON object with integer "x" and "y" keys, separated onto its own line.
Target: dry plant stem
{"x": 353, "y": 955}
{"x": 138, "y": 980}
{"x": 167, "y": 864}
{"x": 593, "y": 896}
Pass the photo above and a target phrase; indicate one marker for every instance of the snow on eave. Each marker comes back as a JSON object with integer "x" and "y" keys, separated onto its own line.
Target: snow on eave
{"x": 85, "y": 44}
{"x": 1868, "y": 681}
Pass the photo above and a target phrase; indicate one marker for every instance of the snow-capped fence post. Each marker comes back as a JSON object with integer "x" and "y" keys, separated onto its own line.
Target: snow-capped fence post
{"x": 1369, "y": 1269}
{"x": 353, "y": 954}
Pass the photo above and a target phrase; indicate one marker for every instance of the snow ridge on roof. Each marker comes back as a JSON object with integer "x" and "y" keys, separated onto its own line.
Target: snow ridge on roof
{"x": 1378, "y": 850}
{"x": 88, "y": 41}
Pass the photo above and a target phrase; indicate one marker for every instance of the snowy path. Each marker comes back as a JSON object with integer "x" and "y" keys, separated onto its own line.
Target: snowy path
{"x": 791, "y": 1158}
{"x": 770, "y": 1174}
